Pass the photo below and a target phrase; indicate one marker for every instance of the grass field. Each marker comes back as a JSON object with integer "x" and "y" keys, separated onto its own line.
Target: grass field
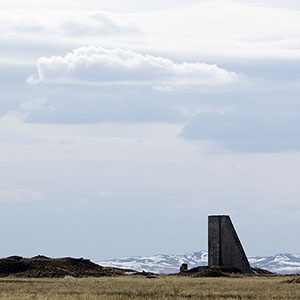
{"x": 162, "y": 288}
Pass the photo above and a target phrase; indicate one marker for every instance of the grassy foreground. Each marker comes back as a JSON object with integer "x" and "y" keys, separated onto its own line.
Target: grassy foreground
{"x": 136, "y": 288}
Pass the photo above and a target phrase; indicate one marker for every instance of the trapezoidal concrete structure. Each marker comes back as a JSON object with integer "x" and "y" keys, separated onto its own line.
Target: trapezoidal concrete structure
{"x": 224, "y": 246}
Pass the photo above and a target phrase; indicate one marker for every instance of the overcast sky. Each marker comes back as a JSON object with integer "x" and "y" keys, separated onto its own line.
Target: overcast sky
{"x": 124, "y": 124}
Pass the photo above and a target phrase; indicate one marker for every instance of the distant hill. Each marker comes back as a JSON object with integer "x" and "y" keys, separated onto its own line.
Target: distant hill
{"x": 281, "y": 263}
{"x": 42, "y": 266}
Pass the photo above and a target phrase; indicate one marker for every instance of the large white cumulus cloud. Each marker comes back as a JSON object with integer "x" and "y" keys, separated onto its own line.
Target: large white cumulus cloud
{"x": 97, "y": 65}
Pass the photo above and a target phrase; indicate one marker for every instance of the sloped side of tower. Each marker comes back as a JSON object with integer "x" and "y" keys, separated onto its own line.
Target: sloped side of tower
{"x": 224, "y": 246}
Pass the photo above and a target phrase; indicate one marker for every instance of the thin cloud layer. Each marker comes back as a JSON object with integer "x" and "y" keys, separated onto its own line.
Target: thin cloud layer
{"x": 96, "y": 65}
{"x": 89, "y": 111}
{"x": 64, "y": 23}
{"x": 17, "y": 195}
{"x": 95, "y": 24}
{"x": 247, "y": 130}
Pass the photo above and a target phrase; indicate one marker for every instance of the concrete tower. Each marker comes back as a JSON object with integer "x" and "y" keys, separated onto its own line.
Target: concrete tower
{"x": 224, "y": 246}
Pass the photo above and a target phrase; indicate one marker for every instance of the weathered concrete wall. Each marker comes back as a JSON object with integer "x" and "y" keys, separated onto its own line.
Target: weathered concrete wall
{"x": 224, "y": 246}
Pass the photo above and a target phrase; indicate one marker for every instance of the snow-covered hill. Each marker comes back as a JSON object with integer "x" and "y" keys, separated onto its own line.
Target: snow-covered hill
{"x": 280, "y": 263}
{"x": 284, "y": 263}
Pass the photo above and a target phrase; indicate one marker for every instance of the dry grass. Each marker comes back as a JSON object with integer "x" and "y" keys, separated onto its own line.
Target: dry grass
{"x": 137, "y": 288}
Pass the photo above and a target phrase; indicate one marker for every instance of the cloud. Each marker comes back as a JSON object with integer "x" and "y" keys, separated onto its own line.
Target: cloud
{"x": 65, "y": 22}
{"x": 105, "y": 195}
{"x": 112, "y": 5}
{"x": 216, "y": 29}
{"x": 213, "y": 31}
{"x": 34, "y": 105}
{"x": 93, "y": 104}
{"x": 224, "y": 29}
{"x": 17, "y": 195}
{"x": 94, "y": 24}
{"x": 96, "y": 65}
{"x": 74, "y": 110}
{"x": 247, "y": 130}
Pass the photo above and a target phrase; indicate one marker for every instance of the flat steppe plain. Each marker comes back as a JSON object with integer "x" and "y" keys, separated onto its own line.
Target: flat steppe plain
{"x": 139, "y": 287}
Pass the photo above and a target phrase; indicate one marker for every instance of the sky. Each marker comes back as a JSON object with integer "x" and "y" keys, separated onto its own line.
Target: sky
{"x": 124, "y": 124}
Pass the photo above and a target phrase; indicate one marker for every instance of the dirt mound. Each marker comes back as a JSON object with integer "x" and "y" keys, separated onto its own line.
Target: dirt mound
{"x": 217, "y": 272}
{"x": 211, "y": 272}
{"x": 42, "y": 266}
{"x": 205, "y": 271}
